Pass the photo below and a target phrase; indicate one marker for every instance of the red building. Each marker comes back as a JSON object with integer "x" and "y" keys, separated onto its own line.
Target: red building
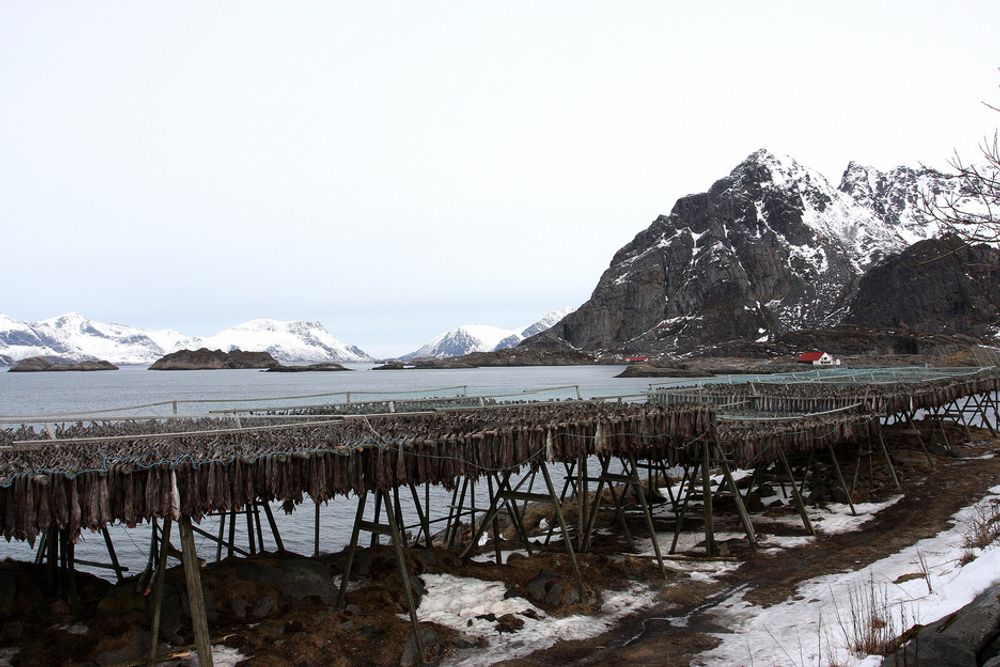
{"x": 817, "y": 359}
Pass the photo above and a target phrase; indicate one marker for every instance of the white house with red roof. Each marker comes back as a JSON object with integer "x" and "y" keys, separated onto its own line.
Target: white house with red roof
{"x": 818, "y": 359}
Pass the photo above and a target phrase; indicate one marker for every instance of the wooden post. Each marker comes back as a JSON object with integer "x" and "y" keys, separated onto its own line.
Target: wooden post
{"x": 513, "y": 510}
{"x": 496, "y": 524}
{"x": 397, "y": 542}
{"x": 273, "y": 525}
{"x": 161, "y": 570}
{"x": 256, "y": 520}
{"x": 349, "y": 563}
{"x": 477, "y": 531}
{"x": 250, "y": 538}
{"x": 112, "y": 554}
{"x": 51, "y": 566}
{"x": 222, "y": 534}
{"x": 596, "y": 507}
{"x": 740, "y": 507}
{"x": 840, "y": 477}
{"x": 196, "y": 596}
{"x": 679, "y": 523}
{"x": 581, "y": 499}
{"x": 706, "y": 489}
{"x": 232, "y": 532}
{"x": 795, "y": 493}
{"x": 562, "y": 526}
{"x": 378, "y": 515}
{"x": 74, "y": 598}
{"x": 637, "y": 486}
{"x": 888, "y": 461}
{"x": 316, "y": 529}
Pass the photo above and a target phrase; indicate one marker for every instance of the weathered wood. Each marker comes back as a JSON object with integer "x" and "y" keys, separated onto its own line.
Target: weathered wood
{"x": 196, "y": 597}
{"x": 352, "y": 547}
{"x": 159, "y": 585}
{"x": 706, "y": 489}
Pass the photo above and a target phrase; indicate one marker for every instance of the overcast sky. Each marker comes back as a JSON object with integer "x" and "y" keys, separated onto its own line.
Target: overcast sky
{"x": 397, "y": 169}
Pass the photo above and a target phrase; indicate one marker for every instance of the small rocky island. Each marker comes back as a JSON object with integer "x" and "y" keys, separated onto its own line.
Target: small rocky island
{"x": 42, "y": 364}
{"x": 205, "y": 359}
{"x": 325, "y": 366}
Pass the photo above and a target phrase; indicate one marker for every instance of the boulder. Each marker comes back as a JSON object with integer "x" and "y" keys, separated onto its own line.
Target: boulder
{"x": 956, "y": 640}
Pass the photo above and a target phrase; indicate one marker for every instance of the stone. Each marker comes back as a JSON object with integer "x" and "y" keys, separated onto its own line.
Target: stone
{"x": 411, "y": 656}
{"x": 955, "y": 640}
{"x": 509, "y": 623}
{"x": 131, "y": 643}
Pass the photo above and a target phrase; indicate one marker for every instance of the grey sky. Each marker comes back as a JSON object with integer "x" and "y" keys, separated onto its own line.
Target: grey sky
{"x": 396, "y": 169}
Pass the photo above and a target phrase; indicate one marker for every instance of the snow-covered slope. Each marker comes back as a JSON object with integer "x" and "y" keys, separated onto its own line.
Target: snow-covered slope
{"x": 74, "y": 336}
{"x": 286, "y": 341}
{"x": 483, "y": 337}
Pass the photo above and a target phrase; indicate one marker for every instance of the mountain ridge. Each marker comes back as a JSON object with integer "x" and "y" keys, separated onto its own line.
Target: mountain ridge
{"x": 769, "y": 248}
{"x": 469, "y": 338}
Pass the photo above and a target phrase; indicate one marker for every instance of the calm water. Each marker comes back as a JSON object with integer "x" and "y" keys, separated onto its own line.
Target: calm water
{"x": 53, "y": 393}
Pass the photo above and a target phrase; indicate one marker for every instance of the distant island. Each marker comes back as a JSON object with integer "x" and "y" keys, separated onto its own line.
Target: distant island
{"x": 43, "y": 364}
{"x": 328, "y": 366}
{"x": 206, "y": 359}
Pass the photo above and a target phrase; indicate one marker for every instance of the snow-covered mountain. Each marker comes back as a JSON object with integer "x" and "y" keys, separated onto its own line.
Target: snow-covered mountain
{"x": 769, "y": 248}
{"x": 286, "y": 341}
{"x": 483, "y": 337}
{"x": 74, "y": 336}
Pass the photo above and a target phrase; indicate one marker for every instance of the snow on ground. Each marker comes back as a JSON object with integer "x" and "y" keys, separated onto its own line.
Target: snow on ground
{"x": 833, "y": 518}
{"x": 7, "y": 654}
{"x": 222, "y": 656}
{"x": 490, "y": 557}
{"x": 457, "y": 601}
{"x": 813, "y": 627}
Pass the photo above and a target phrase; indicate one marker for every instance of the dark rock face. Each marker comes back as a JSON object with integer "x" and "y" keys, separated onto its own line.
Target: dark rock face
{"x": 205, "y": 359}
{"x": 961, "y": 639}
{"x": 934, "y": 286}
{"x": 40, "y": 364}
{"x": 771, "y": 248}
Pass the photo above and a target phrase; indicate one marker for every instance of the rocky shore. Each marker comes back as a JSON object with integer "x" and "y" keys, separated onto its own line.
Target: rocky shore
{"x": 44, "y": 364}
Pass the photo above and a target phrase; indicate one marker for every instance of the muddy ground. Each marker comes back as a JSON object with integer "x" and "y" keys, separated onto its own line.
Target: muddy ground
{"x": 280, "y": 609}
{"x": 932, "y": 494}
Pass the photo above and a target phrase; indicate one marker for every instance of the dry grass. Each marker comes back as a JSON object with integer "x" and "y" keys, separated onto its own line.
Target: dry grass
{"x": 871, "y": 626}
{"x": 983, "y": 530}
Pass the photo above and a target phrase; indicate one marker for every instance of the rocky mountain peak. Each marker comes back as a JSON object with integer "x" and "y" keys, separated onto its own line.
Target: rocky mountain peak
{"x": 772, "y": 247}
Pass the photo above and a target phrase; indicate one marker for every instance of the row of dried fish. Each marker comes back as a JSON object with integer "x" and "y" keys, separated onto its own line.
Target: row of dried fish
{"x": 810, "y": 397}
{"x": 751, "y": 442}
{"x": 150, "y": 466}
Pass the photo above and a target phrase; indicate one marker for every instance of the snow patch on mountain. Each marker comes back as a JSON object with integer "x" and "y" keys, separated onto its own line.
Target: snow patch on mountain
{"x": 483, "y": 337}
{"x": 77, "y": 337}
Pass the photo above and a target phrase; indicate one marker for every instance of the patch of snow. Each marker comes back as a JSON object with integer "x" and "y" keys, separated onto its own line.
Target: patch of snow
{"x": 819, "y": 613}
{"x": 457, "y": 601}
{"x": 222, "y": 656}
